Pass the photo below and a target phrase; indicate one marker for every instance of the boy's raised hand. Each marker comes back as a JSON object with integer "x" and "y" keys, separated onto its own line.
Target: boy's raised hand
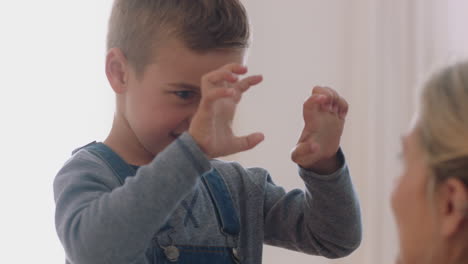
{"x": 211, "y": 126}
{"x": 324, "y": 116}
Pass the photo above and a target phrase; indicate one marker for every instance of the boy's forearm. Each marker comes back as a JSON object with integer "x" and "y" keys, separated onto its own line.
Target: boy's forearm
{"x": 96, "y": 222}
{"x": 324, "y": 220}
{"x": 334, "y": 212}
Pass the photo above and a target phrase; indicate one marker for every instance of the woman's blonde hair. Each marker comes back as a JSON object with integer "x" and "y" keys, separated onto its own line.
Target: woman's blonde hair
{"x": 443, "y": 123}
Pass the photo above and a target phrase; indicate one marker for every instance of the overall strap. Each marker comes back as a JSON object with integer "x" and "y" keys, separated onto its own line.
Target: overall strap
{"x": 115, "y": 162}
{"x": 222, "y": 200}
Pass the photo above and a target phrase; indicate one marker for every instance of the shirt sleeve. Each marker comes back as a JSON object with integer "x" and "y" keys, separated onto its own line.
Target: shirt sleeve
{"x": 324, "y": 219}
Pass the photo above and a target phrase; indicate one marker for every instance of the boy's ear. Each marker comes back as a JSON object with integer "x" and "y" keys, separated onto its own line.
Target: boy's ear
{"x": 453, "y": 195}
{"x": 117, "y": 70}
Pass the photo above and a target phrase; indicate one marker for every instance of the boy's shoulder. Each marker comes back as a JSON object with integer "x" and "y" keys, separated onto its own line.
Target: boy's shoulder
{"x": 84, "y": 166}
{"x": 84, "y": 160}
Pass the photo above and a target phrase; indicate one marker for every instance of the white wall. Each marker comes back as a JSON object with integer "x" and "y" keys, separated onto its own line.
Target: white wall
{"x": 55, "y": 97}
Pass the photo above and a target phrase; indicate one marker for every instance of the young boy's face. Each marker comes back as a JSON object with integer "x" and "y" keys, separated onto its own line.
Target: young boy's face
{"x": 161, "y": 103}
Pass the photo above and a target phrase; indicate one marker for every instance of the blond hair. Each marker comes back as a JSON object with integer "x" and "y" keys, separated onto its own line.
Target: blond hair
{"x": 136, "y": 26}
{"x": 443, "y": 123}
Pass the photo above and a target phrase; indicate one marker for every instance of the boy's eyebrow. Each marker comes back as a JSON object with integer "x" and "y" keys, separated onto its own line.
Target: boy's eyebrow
{"x": 184, "y": 86}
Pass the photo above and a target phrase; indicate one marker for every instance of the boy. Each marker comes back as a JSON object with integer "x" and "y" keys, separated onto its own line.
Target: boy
{"x": 152, "y": 191}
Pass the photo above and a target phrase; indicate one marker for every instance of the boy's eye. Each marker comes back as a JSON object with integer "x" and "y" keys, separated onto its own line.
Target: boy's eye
{"x": 185, "y": 94}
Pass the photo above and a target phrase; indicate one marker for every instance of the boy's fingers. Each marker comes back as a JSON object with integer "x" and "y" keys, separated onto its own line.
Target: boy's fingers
{"x": 323, "y": 90}
{"x": 235, "y": 68}
{"x": 216, "y": 94}
{"x": 248, "y": 82}
{"x": 315, "y": 99}
{"x": 229, "y": 73}
{"x": 248, "y": 142}
{"x": 335, "y": 100}
{"x": 343, "y": 108}
{"x": 313, "y": 105}
{"x": 220, "y": 92}
{"x": 218, "y": 76}
{"x": 335, "y": 103}
{"x": 327, "y": 104}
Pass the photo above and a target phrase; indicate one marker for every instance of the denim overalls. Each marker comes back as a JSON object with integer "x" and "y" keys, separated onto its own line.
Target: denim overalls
{"x": 164, "y": 248}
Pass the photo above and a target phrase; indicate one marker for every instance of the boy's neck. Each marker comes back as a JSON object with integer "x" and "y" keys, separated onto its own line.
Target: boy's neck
{"x": 123, "y": 141}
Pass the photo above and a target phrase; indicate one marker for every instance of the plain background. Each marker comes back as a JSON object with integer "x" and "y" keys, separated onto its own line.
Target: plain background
{"x": 374, "y": 52}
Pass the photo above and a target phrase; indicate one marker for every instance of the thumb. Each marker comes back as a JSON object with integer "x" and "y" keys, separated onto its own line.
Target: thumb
{"x": 248, "y": 142}
{"x": 304, "y": 153}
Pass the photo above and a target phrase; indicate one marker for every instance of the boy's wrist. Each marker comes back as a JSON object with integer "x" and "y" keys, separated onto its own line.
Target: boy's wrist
{"x": 327, "y": 166}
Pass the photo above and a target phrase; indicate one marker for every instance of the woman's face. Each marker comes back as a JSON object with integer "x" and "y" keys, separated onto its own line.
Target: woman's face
{"x": 411, "y": 205}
